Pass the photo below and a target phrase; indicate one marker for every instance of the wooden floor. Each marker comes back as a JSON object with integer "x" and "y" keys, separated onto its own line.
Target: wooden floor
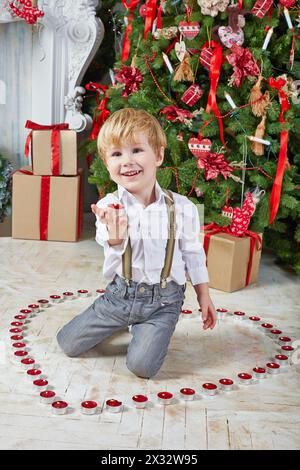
{"x": 263, "y": 415}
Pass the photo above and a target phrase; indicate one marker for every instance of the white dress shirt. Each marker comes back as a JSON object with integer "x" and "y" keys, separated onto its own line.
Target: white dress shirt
{"x": 148, "y": 231}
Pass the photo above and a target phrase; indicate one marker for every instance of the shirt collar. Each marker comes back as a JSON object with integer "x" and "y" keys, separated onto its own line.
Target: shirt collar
{"x": 122, "y": 192}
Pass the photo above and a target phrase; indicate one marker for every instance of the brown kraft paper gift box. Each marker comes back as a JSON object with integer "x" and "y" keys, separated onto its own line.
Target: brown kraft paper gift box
{"x": 227, "y": 261}
{"x": 65, "y": 207}
{"x": 41, "y": 151}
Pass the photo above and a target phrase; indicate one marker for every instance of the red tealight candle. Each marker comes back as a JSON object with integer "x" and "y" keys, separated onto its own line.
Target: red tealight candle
{"x": 27, "y": 363}
{"x": 186, "y": 313}
{"x": 16, "y": 330}
{"x": 275, "y": 333}
{"x": 273, "y": 367}
{"x": 266, "y": 326}
{"x": 47, "y": 397}
{"x": 33, "y": 373}
{"x": 59, "y": 407}
{"x": 281, "y": 359}
{"x": 89, "y": 407}
{"x": 19, "y": 346}
{"x": 83, "y": 292}
{"x": 239, "y": 315}
{"x": 114, "y": 406}
{"x": 165, "y": 398}
{"x": 20, "y": 354}
{"x": 17, "y": 323}
{"x": 222, "y": 310}
{"x": 245, "y": 378}
{"x": 20, "y": 317}
{"x": 188, "y": 394}
{"x": 68, "y": 295}
{"x": 55, "y": 298}
{"x": 34, "y": 307}
{"x": 100, "y": 291}
{"x": 43, "y": 303}
{"x": 222, "y": 313}
{"x": 210, "y": 388}
{"x": 284, "y": 340}
{"x": 226, "y": 384}
{"x": 288, "y": 350}
{"x": 26, "y": 311}
{"x": 15, "y": 338}
{"x": 254, "y": 319}
{"x": 259, "y": 372}
{"x": 140, "y": 401}
{"x": 40, "y": 385}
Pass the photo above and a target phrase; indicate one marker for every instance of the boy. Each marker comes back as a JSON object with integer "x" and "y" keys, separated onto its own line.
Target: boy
{"x": 150, "y": 238}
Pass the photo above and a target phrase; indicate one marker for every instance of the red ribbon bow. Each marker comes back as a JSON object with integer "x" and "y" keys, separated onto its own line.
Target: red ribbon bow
{"x": 254, "y": 238}
{"x": 55, "y": 141}
{"x": 101, "y": 110}
{"x": 282, "y": 159}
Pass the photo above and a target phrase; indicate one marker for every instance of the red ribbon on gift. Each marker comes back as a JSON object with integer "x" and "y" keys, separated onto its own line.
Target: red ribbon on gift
{"x": 131, "y": 6}
{"x": 254, "y": 238}
{"x": 150, "y": 16}
{"x": 55, "y": 141}
{"x": 45, "y": 200}
{"x": 282, "y": 159}
{"x": 214, "y": 75}
{"x": 101, "y": 110}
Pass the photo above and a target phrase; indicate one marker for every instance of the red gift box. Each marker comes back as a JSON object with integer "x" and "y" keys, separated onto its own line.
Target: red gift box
{"x": 192, "y": 95}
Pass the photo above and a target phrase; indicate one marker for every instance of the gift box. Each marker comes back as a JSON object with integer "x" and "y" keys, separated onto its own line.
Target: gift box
{"x": 46, "y": 207}
{"x": 53, "y": 149}
{"x": 231, "y": 263}
{"x": 192, "y": 95}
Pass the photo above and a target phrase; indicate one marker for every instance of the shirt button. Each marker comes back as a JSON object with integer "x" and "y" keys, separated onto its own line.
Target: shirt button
{"x": 142, "y": 289}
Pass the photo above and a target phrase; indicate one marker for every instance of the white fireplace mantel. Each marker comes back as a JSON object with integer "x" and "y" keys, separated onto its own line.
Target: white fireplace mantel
{"x": 64, "y": 42}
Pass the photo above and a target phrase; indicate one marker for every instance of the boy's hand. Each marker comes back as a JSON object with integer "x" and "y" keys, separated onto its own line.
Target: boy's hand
{"x": 208, "y": 311}
{"x": 116, "y": 225}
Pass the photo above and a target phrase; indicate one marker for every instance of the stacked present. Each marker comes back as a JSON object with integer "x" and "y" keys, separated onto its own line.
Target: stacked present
{"x": 47, "y": 197}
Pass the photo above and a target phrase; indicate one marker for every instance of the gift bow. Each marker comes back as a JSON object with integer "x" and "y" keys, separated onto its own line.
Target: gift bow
{"x": 254, "y": 239}
{"x": 101, "y": 110}
{"x": 55, "y": 141}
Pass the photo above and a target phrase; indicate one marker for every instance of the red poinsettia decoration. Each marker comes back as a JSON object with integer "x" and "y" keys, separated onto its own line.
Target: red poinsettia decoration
{"x": 131, "y": 77}
{"x": 214, "y": 164}
{"x": 173, "y": 113}
{"x": 243, "y": 65}
{"x": 288, "y": 3}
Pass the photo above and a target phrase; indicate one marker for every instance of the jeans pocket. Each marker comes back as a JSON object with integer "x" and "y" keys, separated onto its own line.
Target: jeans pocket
{"x": 171, "y": 298}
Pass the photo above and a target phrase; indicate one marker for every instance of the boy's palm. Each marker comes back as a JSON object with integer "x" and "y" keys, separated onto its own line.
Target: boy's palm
{"x": 116, "y": 225}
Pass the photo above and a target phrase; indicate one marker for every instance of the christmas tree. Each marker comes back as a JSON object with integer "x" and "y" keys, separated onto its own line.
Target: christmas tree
{"x": 221, "y": 78}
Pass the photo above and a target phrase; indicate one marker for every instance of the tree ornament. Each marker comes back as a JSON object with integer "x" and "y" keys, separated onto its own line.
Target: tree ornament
{"x": 214, "y": 164}
{"x": 287, "y": 3}
{"x": 212, "y": 7}
{"x": 131, "y": 77}
{"x": 143, "y": 10}
{"x": 259, "y": 102}
{"x": 180, "y": 50}
{"x": 199, "y": 147}
{"x": 192, "y": 95}
{"x": 233, "y": 33}
{"x": 261, "y": 8}
{"x": 184, "y": 72}
{"x": 205, "y": 57}
{"x": 257, "y": 147}
{"x": 166, "y": 33}
{"x": 189, "y": 29}
{"x": 172, "y": 113}
{"x": 198, "y": 192}
{"x": 243, "y": 64}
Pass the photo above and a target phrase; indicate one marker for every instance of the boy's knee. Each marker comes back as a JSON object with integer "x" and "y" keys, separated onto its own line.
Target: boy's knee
{"x": 141, "y": 370}
{"x": 65, "y": 346}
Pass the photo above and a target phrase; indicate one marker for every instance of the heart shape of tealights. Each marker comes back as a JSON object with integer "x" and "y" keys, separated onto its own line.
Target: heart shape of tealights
{"x": 89, "y": 407}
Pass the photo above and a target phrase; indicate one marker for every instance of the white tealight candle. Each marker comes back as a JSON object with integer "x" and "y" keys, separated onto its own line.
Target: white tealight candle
{"x": 167, "y": 62}
{"x": 287, "y": 18}
{"x": 267, "y": 39}
{"x": 230, "y": 100}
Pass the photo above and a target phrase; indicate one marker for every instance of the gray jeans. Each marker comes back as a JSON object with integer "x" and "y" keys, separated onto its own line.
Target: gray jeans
{"x": 152, "y": 311}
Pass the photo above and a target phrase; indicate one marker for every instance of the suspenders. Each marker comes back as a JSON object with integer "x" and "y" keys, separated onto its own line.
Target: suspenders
{"x": 127, "y": 256}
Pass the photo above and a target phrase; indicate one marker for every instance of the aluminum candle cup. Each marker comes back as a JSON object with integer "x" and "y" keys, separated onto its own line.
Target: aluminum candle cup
{"x": 26, "y": 311}
{"x": 239, "y": 315}
{"x": 281, "y": 359}
{"x": 59, "y": 407}
{"x": 21, "y": 317}
{"x": 100, "y": 291}
{"x": 259, "y": 372}
{"x": 139, "y": 401}
{"x": 245, "y": 378}
{"x": 47, "y": 397}
{"x": 287, "y": 350}
{"x": 83, "y": 293}
{"x": 114, "y": 406}
{"x": 273, "y": 368}
{"x": 209, "y": 388}
{"x": 89, "y": 407}
{"x": 55, "y": 299}
{"x": 254, "y": 320}
{"x": 27, "y": 363}
{"x": 274, "y": 334}
{"x": 33, "y": 374}
{"x": 226, "y": 384}
{"x": 20, "y": 345}
{"x": 222, "y": 313}
{"x": 16, "y": 338}
{"x": 20, "y": 354}
{"x": 44, "y": 303}
{"x": 35, "y": 308}
{"x": 16, "y": 331}
{"x": 187, "y": 394}
{"x": 266, "y": 327}
{"x": 68, "y": 295}
{"x": 17, "y": 324}
{"x": 185, "y": 314}
{"x": 40, "y": 385}
{"x": 283, "y": 340}
{"x": 165, "y": 398}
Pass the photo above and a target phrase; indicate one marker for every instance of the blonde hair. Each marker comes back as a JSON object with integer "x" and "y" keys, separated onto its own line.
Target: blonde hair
{"x": 124, "y": 124}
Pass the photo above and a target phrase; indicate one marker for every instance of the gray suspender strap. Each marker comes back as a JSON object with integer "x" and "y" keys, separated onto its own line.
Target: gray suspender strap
{"x": 127, "y": 256}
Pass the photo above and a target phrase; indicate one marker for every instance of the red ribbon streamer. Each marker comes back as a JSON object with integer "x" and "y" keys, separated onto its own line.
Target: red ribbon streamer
{"x": 131, "y": 6}
{"x": 45, "y": 200}
{"x": 214, "y": 75}
{"x": 55, "y": 141}
{"x": 159, "y": 12}
{"x": 150, "y": 16}
{"x": 101, "y": 110}
{"x": 254, "y": 237}
{"x": 277, "y": 185}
